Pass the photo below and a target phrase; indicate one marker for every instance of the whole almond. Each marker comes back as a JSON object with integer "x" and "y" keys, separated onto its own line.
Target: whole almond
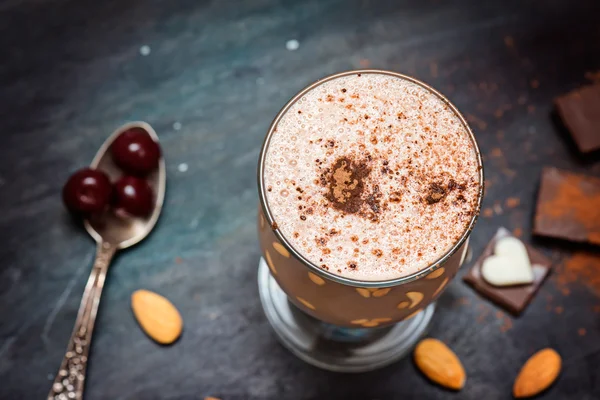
{"x": 440, "y": 364}
{"x": 537, "y": 374}
{"x": 157, "y": 316}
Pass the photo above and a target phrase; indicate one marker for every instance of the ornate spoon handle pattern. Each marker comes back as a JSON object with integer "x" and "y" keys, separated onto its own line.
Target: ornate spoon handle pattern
{"x": 69, "y": 381}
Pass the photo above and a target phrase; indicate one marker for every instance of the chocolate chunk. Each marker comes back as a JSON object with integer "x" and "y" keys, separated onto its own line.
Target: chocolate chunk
{"x": 580, "y": 112}
{"x": 514, "y": 299}
{"x": 346, "y": 184}
{"x": 395, "y": 197}
{"x": 568, "y": 207}
{"x": 436, "y": 193}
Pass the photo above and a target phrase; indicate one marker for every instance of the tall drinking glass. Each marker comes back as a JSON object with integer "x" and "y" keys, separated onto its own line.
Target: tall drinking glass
{"x": 353, "y": 132}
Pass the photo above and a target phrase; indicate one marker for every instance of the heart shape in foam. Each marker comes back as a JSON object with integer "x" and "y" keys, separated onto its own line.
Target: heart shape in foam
{"x": 509, "y": 265}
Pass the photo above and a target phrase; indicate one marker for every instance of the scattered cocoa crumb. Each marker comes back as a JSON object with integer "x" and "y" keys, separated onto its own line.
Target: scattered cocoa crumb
{"x": 354, "y": 238}
{"x": 274, "y": 225}
{"x": 352, "y": 265}
{"x": 482, "y": 315}
{"x": 463, "y": 301}
{"x": 395, "y": 197}
{"x": 496, "y": 152}
{"x": 512, "y": 202}
{"x": 506, "y": 325}
{"x": 581, "y": 268}
{"x": 377, "y": 252}
{"x": 559, "y": 310}
{"x": 518, "y": 232}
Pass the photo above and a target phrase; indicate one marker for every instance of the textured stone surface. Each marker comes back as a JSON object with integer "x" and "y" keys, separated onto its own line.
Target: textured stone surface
{"x": 72, "y": 71}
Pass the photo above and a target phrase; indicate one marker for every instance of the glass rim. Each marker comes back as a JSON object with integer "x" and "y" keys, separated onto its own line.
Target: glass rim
{"x": 329, "y": 275}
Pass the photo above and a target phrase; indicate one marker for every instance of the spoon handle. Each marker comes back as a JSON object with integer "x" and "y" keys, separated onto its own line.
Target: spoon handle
{"x": 69, "y": 381}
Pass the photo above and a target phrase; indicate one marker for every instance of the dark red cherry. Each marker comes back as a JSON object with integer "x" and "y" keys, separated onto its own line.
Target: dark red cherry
{"x": 134, "y": 196}
{"x": 87, "y": 191}
{"x": 135, "y": 152}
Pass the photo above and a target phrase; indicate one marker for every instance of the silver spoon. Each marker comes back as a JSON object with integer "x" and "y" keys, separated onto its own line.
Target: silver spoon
{"x": 111, "y": 233}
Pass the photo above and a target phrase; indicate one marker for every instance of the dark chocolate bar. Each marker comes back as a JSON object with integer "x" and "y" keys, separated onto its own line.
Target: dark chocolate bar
{"x": 568, "y": 207}
{"x": 514, "y": 299}
{"x": 580, "y": 112}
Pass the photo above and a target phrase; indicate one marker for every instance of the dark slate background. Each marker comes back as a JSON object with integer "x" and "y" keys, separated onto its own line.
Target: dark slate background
{"x": 71, "y": 72}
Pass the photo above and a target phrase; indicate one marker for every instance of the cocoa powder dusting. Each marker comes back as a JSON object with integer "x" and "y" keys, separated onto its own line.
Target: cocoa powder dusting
{"x": 513, "y": 202}
{"x": 580, "y": 268}
{"x": 573, "y": 198}
{"x": 346, "y": 184}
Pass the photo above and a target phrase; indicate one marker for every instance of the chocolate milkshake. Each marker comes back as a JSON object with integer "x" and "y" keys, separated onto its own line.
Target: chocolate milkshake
{"x": 371, "y": 176}
{"x": 369, "y": 184}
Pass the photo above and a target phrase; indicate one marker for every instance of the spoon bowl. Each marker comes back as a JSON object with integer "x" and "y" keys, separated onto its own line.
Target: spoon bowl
{"x": 122, "y": 231}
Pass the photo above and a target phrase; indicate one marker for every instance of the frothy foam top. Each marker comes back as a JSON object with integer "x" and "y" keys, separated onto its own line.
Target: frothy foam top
{"x": 371, "y": 177}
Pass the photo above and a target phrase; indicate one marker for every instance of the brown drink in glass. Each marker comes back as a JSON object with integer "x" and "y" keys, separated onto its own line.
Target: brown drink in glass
{"x": 370, "y": 183}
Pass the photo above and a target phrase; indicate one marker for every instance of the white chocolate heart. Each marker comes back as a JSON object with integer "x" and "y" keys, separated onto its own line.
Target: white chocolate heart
{"x": 509, "y": 265}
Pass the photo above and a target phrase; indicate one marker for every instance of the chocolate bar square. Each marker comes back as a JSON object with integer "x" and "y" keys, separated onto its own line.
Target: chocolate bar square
{"x": 580, "y": 112}
{"x": 514, "y": 299}
{"x": 568, "y": 207}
